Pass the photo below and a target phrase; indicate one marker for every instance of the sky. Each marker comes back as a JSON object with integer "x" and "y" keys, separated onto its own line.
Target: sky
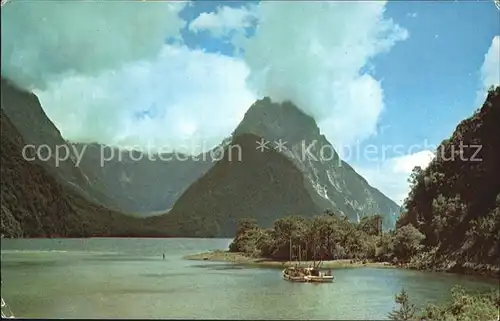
{"x": 385, "y": 81}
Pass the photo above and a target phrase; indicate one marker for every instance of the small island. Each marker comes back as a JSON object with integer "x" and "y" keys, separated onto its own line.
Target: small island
{"x": 338, "y": 243}
{"x": 331, "y": 239}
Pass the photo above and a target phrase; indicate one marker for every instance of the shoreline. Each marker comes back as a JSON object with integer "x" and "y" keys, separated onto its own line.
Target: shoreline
{"x": 241, "y": 259}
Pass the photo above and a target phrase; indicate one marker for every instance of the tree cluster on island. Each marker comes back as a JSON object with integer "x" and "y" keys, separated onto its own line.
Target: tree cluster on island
{"x": 327, "y": 237}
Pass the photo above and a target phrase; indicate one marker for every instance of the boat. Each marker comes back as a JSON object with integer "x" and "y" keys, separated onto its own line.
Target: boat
{"x": 309, "y": 274}
{"x": 294, "y": 274}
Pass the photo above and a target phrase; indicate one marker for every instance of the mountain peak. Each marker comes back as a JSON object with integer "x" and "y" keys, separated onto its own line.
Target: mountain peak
{"x": 330, "y": 182}
{"x": 275, "y": 121}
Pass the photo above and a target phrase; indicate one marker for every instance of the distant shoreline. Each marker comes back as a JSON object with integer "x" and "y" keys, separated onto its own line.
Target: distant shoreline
{"x": 239, "y": 258}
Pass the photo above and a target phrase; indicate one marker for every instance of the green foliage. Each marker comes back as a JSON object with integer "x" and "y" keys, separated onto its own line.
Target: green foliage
{"x": 325, "y": 237}
{"x": 246, "y": 236}
{"x": 406, "y": 310}
{"x": 465, "y": 307}
{"x": 371, "y": 225}
{"x": 407, "y": 242}
{"x": 384, "y": 251}
{"x": 462, "y": 307}
{"x": 455, "y": 202}
{"x": 264, "y": 243}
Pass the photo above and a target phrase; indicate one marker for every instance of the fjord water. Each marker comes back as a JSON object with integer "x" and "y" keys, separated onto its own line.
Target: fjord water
{"x": 127, "y": 278}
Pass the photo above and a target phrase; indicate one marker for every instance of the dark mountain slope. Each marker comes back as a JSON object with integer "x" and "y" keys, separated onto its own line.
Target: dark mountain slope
{"x": 455, "y": 201}
{"x": 263, "y": 185}
{"x": 332, "y": 183}
{"x": 26, "y": 114}
{"x": 34, "y": 204}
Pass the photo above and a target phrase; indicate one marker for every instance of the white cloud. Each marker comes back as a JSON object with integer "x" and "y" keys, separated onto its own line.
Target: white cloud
{"x": 391, "y": 176}
{"x": 490, "y": 70}
{"x": 411, "y": 14}
{"x": 194, "y": 96}
{"x": 103, "y": 76}
{"x": 224, "y": 20}
{"x": 44, "y": 40}
{"x": 313, "y": 52}
{"x": 405, "y": 164}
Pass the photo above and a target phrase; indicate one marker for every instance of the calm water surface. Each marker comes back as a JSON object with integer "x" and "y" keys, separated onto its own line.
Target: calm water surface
{"x": 127, "y": 278}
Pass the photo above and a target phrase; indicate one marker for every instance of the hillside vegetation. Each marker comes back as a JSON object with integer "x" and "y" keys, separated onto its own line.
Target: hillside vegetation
{"x": 455, "y": 201}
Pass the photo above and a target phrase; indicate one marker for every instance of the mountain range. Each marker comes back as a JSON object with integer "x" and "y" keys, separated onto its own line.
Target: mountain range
{"x": 174, "y": 192}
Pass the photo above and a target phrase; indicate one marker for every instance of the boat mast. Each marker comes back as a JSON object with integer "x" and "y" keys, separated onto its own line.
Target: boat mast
{"x": 300, "y": 256}
{"x": 314, "y": 253}
{"x": 305, "y": 254}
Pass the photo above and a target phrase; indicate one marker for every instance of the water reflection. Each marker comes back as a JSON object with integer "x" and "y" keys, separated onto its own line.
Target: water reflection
{"x": 128, "y": 278}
